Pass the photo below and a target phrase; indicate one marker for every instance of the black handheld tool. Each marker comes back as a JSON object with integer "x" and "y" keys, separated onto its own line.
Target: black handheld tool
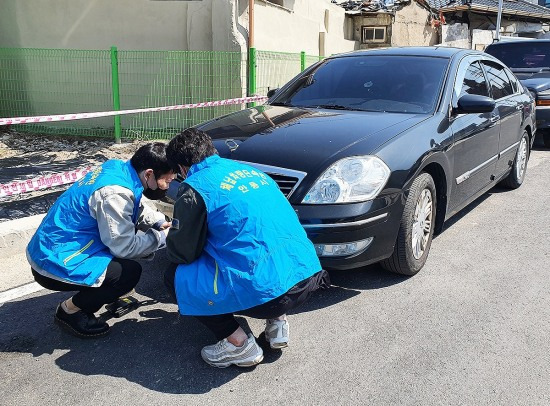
{"x": 122, "y": 306}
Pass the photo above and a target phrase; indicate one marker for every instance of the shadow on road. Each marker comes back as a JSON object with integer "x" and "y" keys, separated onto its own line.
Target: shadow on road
{"x": 152, "y": 346}
{"x": 158, "y": 350}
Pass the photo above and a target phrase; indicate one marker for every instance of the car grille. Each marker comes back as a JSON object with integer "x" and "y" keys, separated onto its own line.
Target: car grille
{"x": 287, "y": 179}
{"x": 286, "y": 183}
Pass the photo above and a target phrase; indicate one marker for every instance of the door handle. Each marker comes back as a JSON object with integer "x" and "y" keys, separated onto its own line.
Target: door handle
{"x": 494, "y": 119}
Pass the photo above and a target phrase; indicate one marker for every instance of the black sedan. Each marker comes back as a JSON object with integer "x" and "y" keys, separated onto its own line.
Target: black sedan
{"x": 376, "y": 149}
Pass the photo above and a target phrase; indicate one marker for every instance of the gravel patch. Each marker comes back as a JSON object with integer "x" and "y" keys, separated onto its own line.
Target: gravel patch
{"x": 27, "y": 155}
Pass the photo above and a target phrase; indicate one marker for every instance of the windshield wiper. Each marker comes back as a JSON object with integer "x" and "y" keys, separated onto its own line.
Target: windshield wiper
{"x": 333, "y": 107}
{"x": 284, "y": 104}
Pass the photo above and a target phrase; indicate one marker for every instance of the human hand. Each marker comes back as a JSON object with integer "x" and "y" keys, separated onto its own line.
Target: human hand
{"x": 166, "y": 225}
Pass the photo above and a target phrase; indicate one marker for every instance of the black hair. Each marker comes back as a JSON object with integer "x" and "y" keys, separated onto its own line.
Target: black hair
{"x": 151, "y": 156}
{"x": 189, "y": 147}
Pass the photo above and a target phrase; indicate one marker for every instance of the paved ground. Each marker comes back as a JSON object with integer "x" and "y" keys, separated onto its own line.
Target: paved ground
{"x": 471, "y": 329}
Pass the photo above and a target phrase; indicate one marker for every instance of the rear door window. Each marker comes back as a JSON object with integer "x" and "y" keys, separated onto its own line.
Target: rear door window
{"x": 513, "y": 80}
{"x": 498, "y": 80}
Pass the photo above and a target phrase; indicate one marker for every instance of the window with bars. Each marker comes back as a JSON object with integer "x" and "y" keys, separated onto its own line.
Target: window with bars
{"x": 374, "y": 34}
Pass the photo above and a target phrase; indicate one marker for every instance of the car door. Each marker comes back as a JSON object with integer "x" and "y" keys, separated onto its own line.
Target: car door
{"x": 506, "y": 97}
{"x": 475, "y": 136}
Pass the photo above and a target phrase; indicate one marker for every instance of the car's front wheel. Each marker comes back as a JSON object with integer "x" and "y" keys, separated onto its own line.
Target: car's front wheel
{"x": 416, "y": 229}
{"x": 519, "y": 167}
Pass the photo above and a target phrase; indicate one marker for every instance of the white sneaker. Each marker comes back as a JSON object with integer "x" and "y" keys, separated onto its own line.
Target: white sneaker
{"x": 223, "y": 353}
{"x": 276, "y": 333}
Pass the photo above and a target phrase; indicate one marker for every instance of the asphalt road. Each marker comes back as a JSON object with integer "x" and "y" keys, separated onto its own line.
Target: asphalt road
{"x": 472, "y": 328}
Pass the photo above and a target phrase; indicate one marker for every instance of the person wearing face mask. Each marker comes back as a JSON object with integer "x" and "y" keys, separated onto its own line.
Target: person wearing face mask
{"x": 239, "y": 249}
{"x": 88, "y": 241}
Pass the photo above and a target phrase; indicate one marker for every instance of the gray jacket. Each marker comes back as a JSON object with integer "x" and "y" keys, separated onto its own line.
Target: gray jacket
{"x": 112, "y": 207}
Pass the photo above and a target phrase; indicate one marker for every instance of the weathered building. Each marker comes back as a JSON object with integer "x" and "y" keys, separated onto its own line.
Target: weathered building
{"x": 472, "y": 23}
{"x": 392, "y": 23}
{"x": 461, "y": 23}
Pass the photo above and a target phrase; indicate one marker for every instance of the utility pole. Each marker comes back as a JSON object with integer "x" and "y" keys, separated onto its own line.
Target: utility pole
{"x": 499, "y": 18}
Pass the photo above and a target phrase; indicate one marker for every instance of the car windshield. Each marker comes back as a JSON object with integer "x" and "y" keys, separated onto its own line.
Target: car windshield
{"x": 524, "y": 55}
{"x": 397, "y": 84}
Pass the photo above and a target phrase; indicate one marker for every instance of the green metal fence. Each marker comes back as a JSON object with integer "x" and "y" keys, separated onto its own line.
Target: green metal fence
{"x": 56, "y": 81}
{"x": 59, "y": 81}
{"x": 165, "y": 78}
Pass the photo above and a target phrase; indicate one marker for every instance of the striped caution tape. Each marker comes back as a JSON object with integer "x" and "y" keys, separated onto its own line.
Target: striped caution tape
{"x": 42, "y": 182}
{"x": 80, "y": 116}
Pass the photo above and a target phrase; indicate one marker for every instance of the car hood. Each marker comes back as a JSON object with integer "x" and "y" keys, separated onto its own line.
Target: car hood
{"x": 534, "y": 79}
{"x": 302, "y": 138}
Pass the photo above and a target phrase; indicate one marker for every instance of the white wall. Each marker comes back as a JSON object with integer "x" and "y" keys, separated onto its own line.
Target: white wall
{"x": 299, "y": 29}
{"x": 128, "y": 24}
{"x": 173, "y": 25}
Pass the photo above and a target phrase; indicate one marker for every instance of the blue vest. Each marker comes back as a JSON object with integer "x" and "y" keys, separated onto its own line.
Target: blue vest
{"x": 256, "y": 249}
{"x": 67, "y": 243}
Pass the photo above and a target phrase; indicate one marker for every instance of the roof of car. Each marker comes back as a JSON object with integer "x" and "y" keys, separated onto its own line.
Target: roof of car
{"x": 519, "y": 41}
{"x": 441, "y": 52}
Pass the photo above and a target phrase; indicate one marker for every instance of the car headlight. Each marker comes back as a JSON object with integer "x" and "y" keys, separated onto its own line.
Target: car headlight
{"x": 348, "y": 180}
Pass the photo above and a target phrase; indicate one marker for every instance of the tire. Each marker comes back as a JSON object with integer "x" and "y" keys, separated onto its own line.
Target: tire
{"x": 519, "y": 168}
{"x": 410, "y": 253}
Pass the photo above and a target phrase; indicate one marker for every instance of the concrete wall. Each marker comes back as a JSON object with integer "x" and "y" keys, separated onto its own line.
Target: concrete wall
{"x": 317, "y": 27}
{"x": 411, "y": 28}
{"x": 460, "y": 35}
{"x": 456, "y": 35}
{"x": 220, "y": 25}
{"x": 482, "y": 38}
{"x": 128, "y": 24}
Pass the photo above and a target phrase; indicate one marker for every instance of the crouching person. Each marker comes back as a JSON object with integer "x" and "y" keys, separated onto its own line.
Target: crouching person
{"x": 88, "y": 242}
{"x": 240, "y": 249}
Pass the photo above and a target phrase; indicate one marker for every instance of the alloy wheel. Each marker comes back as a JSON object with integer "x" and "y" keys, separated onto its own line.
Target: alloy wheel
{"x": 521, "y": 159}
{"x": 422, "y": 223}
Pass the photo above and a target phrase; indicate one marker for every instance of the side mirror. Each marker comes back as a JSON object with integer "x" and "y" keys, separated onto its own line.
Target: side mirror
{"x": 271, "y": 92}
{"x": 473, "y": 103}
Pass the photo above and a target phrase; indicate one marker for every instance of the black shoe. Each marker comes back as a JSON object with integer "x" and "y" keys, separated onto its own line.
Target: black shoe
{"x": 81, "y": 324}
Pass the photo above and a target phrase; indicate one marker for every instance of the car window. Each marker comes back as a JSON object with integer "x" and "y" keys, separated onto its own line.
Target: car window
{"x": 513, "y": 80}
{"x": 474, "y": 81}
{"x": 498, "y": 81}
{"x": 522, "y": 55}
{"x": 401, "y": 84}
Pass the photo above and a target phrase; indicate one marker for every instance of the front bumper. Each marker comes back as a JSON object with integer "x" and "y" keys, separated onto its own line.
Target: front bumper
{"x": 348, "y": 223}
{"x": 342, "y": 223}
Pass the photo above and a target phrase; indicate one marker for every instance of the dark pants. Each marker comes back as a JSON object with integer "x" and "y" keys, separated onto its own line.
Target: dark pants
{"x": 121, "y": 277}
{"x": 223, "y": 325}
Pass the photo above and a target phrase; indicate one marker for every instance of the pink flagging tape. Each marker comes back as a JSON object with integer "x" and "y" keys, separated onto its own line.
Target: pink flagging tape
{"x": 80, "y": 116}
{"x": 42, "y": 182}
